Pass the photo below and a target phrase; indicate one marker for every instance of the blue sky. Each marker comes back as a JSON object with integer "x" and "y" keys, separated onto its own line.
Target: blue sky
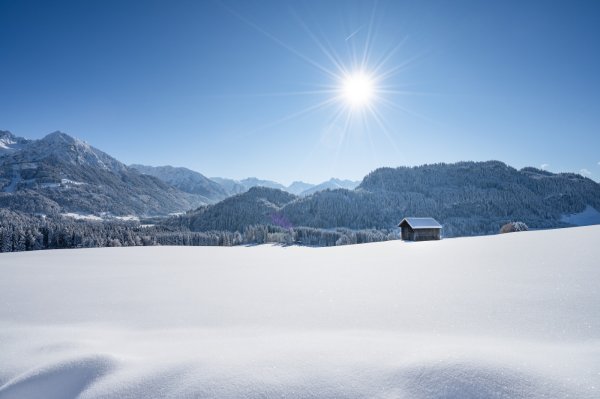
{"x": 233, "y": 88}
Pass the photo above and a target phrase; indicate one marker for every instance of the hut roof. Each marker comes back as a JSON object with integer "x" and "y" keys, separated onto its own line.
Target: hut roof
{"x": 421, "y": 223}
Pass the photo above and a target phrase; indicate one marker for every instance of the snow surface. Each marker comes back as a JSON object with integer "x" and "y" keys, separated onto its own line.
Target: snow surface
{"x": 507, "y": 316}
{"x": 80, "y": 216}
{"x": 586, "y": 217}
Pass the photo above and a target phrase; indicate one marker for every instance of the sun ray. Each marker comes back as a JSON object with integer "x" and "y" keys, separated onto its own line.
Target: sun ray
{"x": 322, "y": 104}
{"x": 359, "y": 87}
{"x": 337, "y": 114}
{"x": 393, "y": 105}
{"x": 402, "y": 66}
{"x": 369, "y": 38}
{"x": 386, "y": 57}
{"x": 406, "y": 92}
{"x": 330, "y": 90}
{"x": 384, "y": 129}
{"x": 342, "y": 139}
{"x": 330, "y": 55}
{"x": 278, "y": 41}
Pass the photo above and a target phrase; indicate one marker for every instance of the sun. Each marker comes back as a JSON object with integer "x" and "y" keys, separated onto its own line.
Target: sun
{"x": 358, "y": 89}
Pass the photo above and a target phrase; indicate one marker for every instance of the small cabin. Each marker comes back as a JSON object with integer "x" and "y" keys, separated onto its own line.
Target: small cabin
{"x": 420, "y": 229}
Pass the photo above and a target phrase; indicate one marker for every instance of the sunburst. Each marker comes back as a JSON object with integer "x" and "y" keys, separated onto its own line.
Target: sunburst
{"x": 359, "y": 85}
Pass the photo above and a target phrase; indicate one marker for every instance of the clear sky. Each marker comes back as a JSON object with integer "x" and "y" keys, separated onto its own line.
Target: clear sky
{"x": 257, "y": 88}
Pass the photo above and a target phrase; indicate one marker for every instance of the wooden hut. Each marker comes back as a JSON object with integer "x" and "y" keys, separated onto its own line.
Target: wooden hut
{"x": 420, "y": 229}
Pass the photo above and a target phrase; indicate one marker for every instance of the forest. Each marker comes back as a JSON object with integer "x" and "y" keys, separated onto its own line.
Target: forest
{"x": 22, "y": 232}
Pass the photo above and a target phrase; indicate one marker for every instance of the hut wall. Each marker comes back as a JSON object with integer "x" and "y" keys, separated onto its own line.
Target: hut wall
{"x": 407, "y": 233}
{"x": 426, "y": 234}
{"x": 420, "y": 234}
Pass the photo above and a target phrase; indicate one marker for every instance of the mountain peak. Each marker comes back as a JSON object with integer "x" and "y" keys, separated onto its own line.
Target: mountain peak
{"x": 61, "y": 137}
{"x": 331, "y": 184}
{"x": 6, "y": 138}
{"x": 70, "y": 150}
{"x": 6, "y": 133}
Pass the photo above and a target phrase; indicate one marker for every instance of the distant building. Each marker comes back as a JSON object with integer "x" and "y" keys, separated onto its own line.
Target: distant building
{"x": 420, "y": 229}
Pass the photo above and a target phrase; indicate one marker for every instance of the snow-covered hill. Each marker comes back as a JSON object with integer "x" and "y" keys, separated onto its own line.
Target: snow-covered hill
{"x": 506, "y": 316}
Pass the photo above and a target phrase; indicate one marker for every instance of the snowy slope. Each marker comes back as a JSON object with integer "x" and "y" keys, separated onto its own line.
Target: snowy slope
{"x": 506, "y": 316}
{"x": 587, "y": 217}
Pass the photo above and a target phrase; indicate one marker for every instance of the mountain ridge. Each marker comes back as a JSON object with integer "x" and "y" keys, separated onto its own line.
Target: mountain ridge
{"x": 469, "y": 198}
{"x": 186, "y": 180}
{"x": 62, "y": 174}
{"x": 69, "y": 175}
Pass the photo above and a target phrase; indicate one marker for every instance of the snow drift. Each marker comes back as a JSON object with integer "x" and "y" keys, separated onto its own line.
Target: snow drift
{"x": 510, "y": 316}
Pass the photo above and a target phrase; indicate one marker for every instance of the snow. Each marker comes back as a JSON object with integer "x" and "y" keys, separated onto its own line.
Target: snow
{"x": 128, "y": 218}
{"x": 67, "y": 181}
{"x": 9, "y": 143}
{"x": 103, "y": 216}
{"x": 79, "y": 216}
{"x": 422, "y": 223}
{"x": 586, "y": 217}
{"x": 50, "y": 185}
{"x": 506, "y": 316}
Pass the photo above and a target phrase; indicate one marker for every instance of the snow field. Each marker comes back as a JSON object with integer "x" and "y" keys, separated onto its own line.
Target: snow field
{"x": 508, "y": 316}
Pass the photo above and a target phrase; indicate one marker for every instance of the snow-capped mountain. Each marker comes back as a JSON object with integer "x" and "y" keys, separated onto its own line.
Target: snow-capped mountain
{"x": 62, "y": 173}
{"x": 233, "y": 187}
{"x": 186, "y": 180}
{"x": 298, "y": 187}
{"x": 68, "y": 150}
{"x": 254, "y": 182}
{"x": 10, "y": 143}
{"x": 331, "y": 184}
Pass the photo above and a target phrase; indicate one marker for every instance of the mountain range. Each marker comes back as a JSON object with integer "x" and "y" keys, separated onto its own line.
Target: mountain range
{"x": 186, "y": 180}
{"x": 215, "y": 189}
{"x": 468, "y": 198}
{"x": 59, "y": 174}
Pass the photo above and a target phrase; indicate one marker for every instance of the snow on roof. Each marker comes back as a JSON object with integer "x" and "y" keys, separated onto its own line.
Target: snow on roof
{"x": 422, "y": 223}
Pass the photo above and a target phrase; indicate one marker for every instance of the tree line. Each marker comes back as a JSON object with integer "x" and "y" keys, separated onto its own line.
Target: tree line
{"x": 24, "y": 232}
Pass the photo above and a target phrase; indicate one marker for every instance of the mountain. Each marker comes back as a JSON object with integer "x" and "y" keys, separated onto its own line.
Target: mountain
{"x": 10, "y": 143}
{"x": 258, "y": 205}
{"x": 186, "y": 180}
{"x": 331, "y": 184}
{"x": 59, "y": 173}
{"x": 298, "y": 187}
{"x": 233, "y": 187}
{"x": 254, "y": 182}
{"x": 468, "y": 198}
